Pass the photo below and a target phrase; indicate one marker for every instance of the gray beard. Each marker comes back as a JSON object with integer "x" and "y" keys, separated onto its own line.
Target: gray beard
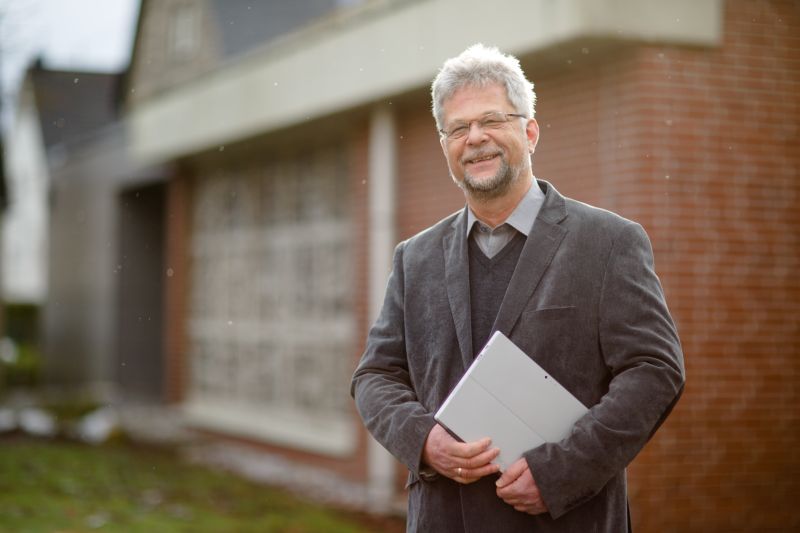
{"x": 492, "y": 188}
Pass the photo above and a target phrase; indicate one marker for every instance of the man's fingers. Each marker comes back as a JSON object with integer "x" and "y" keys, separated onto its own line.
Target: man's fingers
{"x": 470, "y": 475}
{"x": 512, "y": 473}
{"x": 484, "y": 470}
{"x": 468, "y": 450}
{"x": 482, "y": 458}
{"x": 464, "y": 462}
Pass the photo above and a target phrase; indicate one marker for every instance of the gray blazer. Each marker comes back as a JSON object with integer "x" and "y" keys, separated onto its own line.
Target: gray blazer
{"x": 586, "y": 304}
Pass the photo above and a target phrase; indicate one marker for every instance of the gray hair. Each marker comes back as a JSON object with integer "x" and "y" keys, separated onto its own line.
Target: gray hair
{"x": 479, "y": 66}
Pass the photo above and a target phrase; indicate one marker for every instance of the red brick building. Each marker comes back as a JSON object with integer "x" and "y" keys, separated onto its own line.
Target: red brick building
{"x": 683, "y": 116}
{"x": 702, "y": 147}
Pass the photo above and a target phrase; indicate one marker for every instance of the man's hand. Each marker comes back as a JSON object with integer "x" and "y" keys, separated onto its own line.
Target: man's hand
{"x": 465, "y": 462}
{"x": 517, "y": 488}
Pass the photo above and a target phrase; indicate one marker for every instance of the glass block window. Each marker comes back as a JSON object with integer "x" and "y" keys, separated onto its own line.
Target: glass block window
{"x": 271, "y": 321}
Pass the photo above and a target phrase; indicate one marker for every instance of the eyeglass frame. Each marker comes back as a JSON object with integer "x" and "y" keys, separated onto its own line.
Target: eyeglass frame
{"x": 482, "y": 122}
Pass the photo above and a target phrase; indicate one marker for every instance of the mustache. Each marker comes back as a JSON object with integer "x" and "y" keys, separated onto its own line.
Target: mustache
{"x": 481, "y": 154}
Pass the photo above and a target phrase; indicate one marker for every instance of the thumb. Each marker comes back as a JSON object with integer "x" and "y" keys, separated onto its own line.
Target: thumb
{"x": 512, "y": 473}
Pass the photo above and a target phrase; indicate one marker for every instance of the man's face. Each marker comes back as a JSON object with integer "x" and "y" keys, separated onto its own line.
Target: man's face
{"x": 487, "y": 161}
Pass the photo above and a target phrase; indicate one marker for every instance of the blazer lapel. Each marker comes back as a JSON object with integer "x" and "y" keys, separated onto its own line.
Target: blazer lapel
{"x": 456, "y": 271}
{"x": 540, "y": 247}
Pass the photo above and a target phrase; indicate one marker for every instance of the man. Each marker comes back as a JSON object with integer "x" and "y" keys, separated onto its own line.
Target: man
{"x": 573, "y": 286}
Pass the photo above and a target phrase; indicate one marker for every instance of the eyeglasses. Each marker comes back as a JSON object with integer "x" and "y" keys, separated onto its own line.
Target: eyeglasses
{"x": 490, "y": 121}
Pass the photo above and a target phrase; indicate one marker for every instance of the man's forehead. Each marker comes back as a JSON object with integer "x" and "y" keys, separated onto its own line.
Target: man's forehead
{"x": 489, "y": 97}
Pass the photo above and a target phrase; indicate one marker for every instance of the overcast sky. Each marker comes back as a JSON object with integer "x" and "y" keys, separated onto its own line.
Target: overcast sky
{"x": 93, "y": 35}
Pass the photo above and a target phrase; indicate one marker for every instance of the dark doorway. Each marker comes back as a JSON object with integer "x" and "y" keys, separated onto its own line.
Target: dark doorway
{"x": 140, "y": 368}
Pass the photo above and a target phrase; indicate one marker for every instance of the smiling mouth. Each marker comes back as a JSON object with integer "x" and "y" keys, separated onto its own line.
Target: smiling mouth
{"x": 481, "y": 158}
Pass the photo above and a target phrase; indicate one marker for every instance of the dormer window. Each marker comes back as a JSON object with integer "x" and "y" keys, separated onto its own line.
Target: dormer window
{"x": 184, "y": 30}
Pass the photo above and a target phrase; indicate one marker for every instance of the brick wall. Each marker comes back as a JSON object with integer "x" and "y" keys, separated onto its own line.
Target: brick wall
{"x": 729, "y": 252}
{"x": 426, "y": 193}
{"x": 176, "y": 259}
{"x": 700, "y": 145}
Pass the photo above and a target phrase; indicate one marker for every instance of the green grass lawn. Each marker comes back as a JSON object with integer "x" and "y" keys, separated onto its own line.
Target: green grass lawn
{"x": 58, "y": 486}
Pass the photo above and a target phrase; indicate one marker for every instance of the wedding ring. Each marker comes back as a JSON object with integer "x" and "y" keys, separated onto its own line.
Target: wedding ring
{"x": 458, "y": 471}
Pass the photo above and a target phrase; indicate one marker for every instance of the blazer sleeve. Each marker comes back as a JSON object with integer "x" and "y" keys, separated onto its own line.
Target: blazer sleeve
{"x": 640, "y": 347}
{"x": 381, "y": 385}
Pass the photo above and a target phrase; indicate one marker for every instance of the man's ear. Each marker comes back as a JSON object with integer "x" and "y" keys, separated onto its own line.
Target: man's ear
{"x": 532, "y": 132}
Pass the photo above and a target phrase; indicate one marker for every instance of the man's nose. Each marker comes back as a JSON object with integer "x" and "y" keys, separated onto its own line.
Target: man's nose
{"x": 476, "y": 133}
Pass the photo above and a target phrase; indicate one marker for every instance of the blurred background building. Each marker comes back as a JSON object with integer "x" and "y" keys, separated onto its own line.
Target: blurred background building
{"x": 222, "y": 218}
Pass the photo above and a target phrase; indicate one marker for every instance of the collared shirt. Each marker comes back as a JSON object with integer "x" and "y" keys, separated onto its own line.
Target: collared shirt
{"x": 492, "y": 240}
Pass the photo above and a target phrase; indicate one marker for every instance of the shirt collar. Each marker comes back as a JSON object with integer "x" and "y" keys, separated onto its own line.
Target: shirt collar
{"x": 523, "y": 216}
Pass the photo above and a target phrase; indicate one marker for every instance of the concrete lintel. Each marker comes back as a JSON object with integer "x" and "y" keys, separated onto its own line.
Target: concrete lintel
{"x": 384, "y": 49}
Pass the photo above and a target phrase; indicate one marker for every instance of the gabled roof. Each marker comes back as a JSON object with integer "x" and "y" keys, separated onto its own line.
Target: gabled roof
{"x": 235, "y": 27}
{"x": 245, "y": 24}
{"x": 72, "y": 104}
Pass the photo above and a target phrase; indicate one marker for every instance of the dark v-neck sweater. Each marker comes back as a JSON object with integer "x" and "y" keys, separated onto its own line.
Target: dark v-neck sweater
{"x": 488, "y": 281}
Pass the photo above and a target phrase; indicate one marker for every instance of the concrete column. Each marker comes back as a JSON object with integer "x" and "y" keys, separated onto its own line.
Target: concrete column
{"x": 381, "y": 209}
